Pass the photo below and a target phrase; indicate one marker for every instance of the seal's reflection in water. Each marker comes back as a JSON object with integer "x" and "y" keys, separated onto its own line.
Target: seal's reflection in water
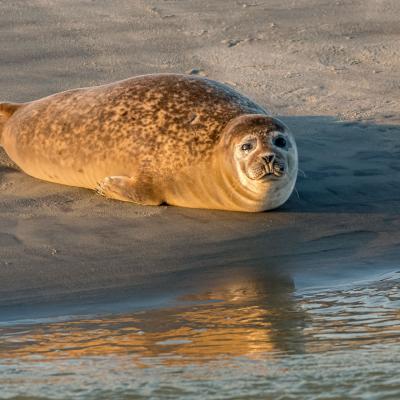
{"x": 249, "y": 314}
{"x": 245, "y": 314}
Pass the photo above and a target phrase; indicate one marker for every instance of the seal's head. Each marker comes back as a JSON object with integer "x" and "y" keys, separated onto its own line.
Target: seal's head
{"x": 264, "y": 157}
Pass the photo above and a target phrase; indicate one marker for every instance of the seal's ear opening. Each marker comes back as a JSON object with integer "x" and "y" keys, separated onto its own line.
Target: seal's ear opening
{"x": 247, "y": 123}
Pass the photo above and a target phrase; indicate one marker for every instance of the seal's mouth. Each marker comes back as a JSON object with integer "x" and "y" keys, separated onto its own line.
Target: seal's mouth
{"x": 266, "y": 170}
{"x": 277, "y": 167}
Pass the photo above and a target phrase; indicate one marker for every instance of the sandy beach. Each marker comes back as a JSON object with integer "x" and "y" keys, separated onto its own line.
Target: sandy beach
{"x": 101, "y": 299}
{"x": 330, "y": 70}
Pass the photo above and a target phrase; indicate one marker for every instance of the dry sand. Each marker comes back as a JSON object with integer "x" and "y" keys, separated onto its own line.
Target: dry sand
{"x": 330, "y": 69}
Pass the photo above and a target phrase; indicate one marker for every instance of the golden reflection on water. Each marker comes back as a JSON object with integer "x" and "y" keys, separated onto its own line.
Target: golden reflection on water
{"x": 246, "y": 316}
{"x": 253, "y": 316}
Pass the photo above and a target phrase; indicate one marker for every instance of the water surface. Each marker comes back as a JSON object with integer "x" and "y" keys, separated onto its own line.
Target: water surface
{"x": 249, "y": 335}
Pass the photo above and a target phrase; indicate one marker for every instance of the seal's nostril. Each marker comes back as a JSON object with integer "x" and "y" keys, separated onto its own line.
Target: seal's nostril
{"x": 269, "y": 158}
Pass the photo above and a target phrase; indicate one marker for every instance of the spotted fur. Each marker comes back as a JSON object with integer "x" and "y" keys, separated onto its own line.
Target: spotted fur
{"x": 149, "y": 128}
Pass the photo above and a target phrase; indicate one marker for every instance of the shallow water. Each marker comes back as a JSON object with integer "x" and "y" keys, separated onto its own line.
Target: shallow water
{"x": 245, "y": 336}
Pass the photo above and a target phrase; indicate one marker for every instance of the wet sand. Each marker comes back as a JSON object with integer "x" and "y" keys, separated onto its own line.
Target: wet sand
{"x": 330, "y": 70}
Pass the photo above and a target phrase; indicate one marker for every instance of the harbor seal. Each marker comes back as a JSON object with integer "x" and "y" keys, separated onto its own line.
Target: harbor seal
{"x": 156, "y": 139}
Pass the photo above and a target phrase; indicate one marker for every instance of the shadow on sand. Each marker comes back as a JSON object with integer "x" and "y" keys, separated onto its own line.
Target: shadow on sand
{"x": 346, "y": 166}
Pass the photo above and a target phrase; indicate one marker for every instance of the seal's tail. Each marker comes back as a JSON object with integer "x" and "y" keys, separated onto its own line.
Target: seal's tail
{"x": 6, "y": 111}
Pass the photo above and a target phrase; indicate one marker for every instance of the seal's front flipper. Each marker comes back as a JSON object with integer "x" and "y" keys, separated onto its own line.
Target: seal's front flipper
{"x": 125, "y": 188}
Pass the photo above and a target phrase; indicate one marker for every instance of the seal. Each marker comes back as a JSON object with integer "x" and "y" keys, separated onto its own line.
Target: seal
{"x": 156, "y": 139}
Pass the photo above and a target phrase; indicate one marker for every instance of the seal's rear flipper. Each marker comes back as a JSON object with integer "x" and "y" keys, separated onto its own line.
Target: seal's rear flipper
{"x": 6, "y": 111}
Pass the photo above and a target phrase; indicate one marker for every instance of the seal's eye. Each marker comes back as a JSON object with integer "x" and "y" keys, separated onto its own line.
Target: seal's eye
{"x": 246, "y": 147}
{"x": 280, "y": 142}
